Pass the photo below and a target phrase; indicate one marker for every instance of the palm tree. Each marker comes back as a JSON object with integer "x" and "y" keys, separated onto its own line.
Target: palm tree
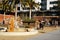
{"x": 5, "y": 7}
{"x": 13, "y": 6}
{"x": 8, "y": 5}
{"x": 16, "y": 2}
{"x": 33, "y": 4}
{"x": 30, "y": 3}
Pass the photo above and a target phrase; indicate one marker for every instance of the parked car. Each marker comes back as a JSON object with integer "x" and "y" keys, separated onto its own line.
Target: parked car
{"x": 3, "y": 29}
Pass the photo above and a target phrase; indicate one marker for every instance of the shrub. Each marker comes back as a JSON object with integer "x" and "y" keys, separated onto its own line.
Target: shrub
{"x": 29, "y": 20}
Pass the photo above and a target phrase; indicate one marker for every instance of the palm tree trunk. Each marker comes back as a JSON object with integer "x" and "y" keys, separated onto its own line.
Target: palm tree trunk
{"x": 30, "y": 13}
{"x": 4, "y": 16}
{"x": 16, "y": 16}
{"x": 16, "y": 13}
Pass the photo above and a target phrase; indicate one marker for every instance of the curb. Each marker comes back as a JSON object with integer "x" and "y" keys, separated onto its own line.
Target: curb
{"x": 18, "y": 33}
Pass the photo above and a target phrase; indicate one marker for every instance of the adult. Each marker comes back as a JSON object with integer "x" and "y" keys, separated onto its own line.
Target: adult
{"x": 56, "y": 23}
{"x": 42, "y": 25}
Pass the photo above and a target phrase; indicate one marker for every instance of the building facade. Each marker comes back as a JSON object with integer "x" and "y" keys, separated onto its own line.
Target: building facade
{"x": 51, "y": 4}
{"x": 44, "y": 5}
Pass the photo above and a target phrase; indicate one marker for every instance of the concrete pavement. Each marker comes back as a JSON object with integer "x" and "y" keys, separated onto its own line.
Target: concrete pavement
{"x": 19, "y": 33}
{"x": 55, "y": 35}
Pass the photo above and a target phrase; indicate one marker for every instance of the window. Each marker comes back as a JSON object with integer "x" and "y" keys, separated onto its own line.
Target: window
{"x": 54, "y": 8}
{"x": 43, "y": 0}
{"x": 54, "y": 14}
{"x": 51, "y": 8}
{"x": 43, "y": 8}
{"x": 55, "y": 2}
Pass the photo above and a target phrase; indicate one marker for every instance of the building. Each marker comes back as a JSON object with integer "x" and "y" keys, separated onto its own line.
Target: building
{"x": 43, "y": 5}
{"x": 47, "y": 4}
{"x": 51, "y": 4}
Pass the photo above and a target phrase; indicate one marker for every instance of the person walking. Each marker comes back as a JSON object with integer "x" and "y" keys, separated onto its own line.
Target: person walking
{"x": 56, "y": 24}
{"x": 42, "y": 25}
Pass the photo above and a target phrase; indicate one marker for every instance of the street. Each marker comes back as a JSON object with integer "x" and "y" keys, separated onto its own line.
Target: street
{"x": 55, "y": 35}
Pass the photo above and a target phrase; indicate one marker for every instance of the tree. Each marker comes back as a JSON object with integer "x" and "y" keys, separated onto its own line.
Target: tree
{"x": 0, "y": 5}
{"x": 5, "y": 7}
{"x": 9, "y": 5}
{"x": 16, "y": 2}
{"x": 31, "y": 4}
{"x": 58, "y": 4}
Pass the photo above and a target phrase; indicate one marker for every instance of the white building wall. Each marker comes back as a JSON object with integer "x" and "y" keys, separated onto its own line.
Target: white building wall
{"x": 19, "y": 5}
{"x": 50, "y": 5}
{"x": 52, "y": 0}
{"x": 36, "y": 1}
